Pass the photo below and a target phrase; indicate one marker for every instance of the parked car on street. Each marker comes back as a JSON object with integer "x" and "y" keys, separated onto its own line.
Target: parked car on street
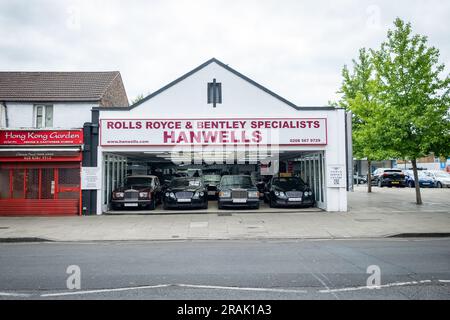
{"x": 289, "y": 192}
{"x": 186, "y": 192}
{"x": 139, "y": 191}
{"x": 238, "y": 191}
{"x": 211, "y": 182}
{"x": 359, "y": 179}
{"x": 441, "y": 178}
{"x": 388, "y": 177}
{"x": 424, "y": 179}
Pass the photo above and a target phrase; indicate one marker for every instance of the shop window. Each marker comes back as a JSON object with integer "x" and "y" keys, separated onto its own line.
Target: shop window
{"x": 214, "y": 92}
{"x": 43, "y": 116}
{"x": 4, "y": 183}
{"x": 18, "y": 184}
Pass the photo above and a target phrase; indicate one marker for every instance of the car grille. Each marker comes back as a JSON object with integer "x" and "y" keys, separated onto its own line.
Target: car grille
{"x": 239, "y": 194}
{"x": 184, "y": 195}
{"x": 131, "y": 195}
{"x": 294, "y": 194}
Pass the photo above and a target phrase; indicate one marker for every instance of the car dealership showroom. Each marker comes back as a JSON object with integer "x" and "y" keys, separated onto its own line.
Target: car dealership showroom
{"x": 214, "y": 139}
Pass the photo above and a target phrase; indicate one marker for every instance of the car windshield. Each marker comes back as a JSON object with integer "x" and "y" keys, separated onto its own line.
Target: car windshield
{"x": 211, "y": 178}
{"x": 442, "y": 174}
{"x": 421, "y": 174}
{"x": 288, "y": 183}
{"x": 393, "y": 170}
{"x": 236, "y": 181}
{"x": 181, "y": 183}
{"x": 138, "y": 182}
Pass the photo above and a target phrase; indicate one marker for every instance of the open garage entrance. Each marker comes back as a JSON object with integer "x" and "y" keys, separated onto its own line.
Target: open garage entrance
{"x": 261, "y": 166}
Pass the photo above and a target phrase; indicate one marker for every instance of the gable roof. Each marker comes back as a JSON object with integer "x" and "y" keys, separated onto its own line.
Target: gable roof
{"x": 55, "y": 86}
{"x": 223, "y": 65}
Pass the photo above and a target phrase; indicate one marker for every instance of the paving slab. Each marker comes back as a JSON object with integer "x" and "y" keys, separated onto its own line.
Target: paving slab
{"x": 383, "y": 213}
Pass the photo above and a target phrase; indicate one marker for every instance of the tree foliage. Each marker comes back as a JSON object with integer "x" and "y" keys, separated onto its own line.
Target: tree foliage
{"x": 399, "y": 99}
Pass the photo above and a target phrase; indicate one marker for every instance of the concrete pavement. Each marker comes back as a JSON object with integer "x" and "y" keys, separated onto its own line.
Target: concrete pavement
{"x": 383, "y": 213}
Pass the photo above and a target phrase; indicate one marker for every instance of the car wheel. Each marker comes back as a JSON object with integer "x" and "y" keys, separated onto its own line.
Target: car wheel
{"x": 410, "y": 184}
{"x": 439, "y": 185}
{"x": 205, "y": 206}
{"x": 380, "y": 184}
{"x": 220, "y": 206}
{"x": 257, "y": 206}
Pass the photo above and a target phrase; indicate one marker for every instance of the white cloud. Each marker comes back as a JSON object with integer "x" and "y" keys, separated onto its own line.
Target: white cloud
{"x": 296, "y": 48}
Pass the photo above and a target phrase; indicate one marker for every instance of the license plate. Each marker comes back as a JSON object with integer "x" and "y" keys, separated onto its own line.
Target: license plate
{"x": 395, "y": 182}
{"x": 211, "y": 193}
{"x": 184, "y": 200}
{"x": 239, "y": 200}
{"x": 295, "y": 199}
{"x": 130, "y": 204}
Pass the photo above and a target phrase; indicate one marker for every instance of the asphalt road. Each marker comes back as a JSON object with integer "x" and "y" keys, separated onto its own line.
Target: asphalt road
{"x": 308, "y": 269}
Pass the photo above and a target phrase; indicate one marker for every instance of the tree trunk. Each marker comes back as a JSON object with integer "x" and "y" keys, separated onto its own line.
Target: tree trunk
{"x": 369, "y": 177}
{"x": 416, "y": 182}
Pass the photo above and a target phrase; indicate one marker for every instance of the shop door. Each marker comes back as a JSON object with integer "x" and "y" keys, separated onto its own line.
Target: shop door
{"x": 39, "y": 191}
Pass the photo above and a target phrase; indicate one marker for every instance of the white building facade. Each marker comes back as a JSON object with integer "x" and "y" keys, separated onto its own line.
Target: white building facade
{"x": 248, "y": 123}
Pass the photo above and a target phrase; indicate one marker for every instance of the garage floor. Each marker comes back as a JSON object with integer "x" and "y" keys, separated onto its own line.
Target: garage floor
{"x": 212, "y": 208}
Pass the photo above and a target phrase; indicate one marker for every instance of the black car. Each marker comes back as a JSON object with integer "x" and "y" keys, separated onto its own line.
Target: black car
{"x": 186, "y": 192}
{"x": 137, "y": 192}
{"x": 212, "y": 181}
{"x": 289, "y": 192}
{"x": 238, "y": 191}
{"x": 387, "y": 177}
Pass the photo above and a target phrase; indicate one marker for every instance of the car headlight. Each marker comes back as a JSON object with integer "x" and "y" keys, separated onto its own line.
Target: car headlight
{"x": 119, "y": 194}
{"x": 253, "y": 194}
{"x": 143, "y": 194}
{"x": 225, "y": 194}
{"x": 167, "y": 194}
{"x": 308, "y": 193}
{"x": 172, "y": 195}
{"x": 198, "y": 194}
{"x": 280, "y": 194}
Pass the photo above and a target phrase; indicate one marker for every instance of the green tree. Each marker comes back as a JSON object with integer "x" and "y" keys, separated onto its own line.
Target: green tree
{"x": 360, "y": 96}
{"x": 414, "y": 96}
{"x": 138, "y": 98}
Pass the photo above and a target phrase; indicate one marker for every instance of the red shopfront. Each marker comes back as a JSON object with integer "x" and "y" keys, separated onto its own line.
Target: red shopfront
{"x": 40, "y": 172}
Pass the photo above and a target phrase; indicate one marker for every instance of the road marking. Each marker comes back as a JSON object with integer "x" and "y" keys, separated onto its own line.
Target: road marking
{"x": 199, "y": 286}
{"x": 395, "y": 284}
{"x": 170, "y": 285}
{"x": 103, "y": 290}
{"x": 12, "y": 294}
{"x": 325, "y": 285}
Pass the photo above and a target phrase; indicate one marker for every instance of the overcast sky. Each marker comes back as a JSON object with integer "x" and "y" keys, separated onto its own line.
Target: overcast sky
{"x": 295, "y": 48}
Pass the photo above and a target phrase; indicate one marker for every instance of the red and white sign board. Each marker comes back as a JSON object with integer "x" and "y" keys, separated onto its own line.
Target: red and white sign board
{"x": 41, "y": 137}
{"x": 178, "y": 132}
